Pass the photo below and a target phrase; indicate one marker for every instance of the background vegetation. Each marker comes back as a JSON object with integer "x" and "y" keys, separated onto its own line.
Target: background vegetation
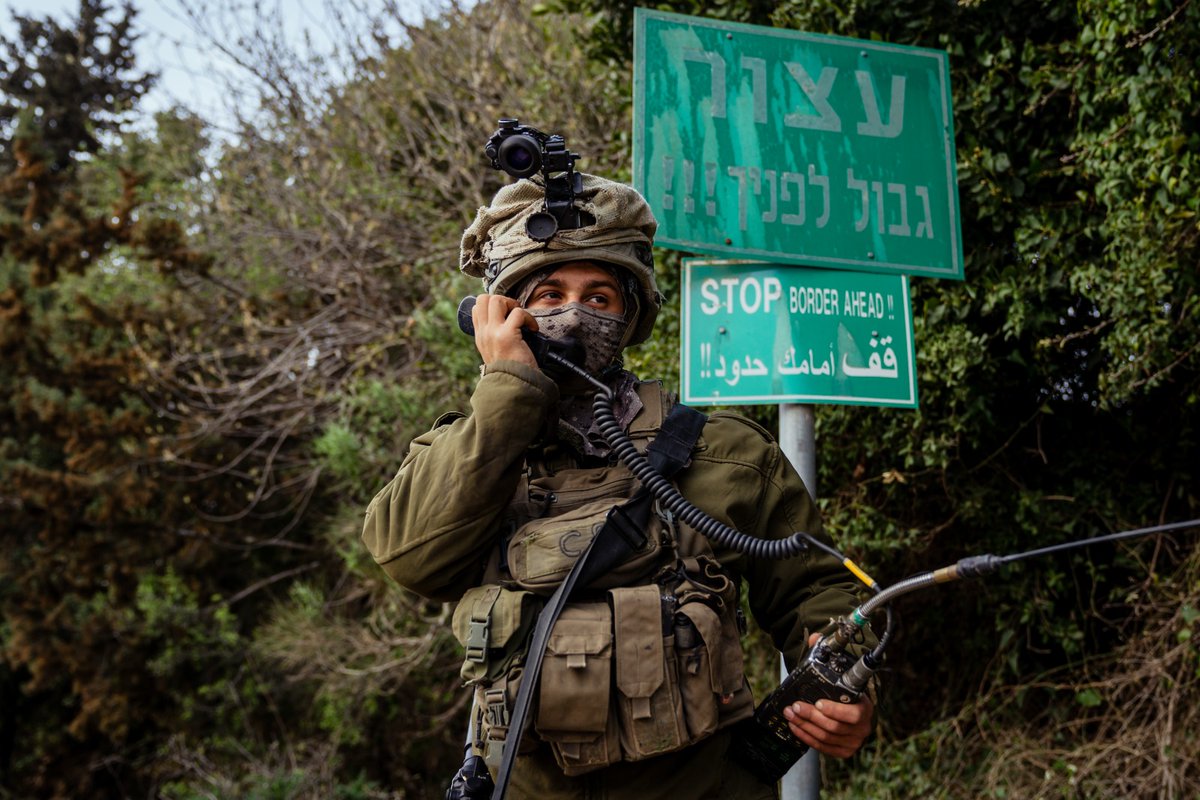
{"x": 215, "y": 348}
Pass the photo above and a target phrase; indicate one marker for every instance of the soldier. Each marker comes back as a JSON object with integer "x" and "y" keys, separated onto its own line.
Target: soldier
{"x": 643, "y": 674}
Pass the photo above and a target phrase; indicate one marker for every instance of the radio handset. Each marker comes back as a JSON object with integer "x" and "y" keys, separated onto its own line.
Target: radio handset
{"x": 549, "y": 353}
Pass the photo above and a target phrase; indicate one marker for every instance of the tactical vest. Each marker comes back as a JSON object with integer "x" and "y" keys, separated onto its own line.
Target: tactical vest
{"x": 646, "y": 662}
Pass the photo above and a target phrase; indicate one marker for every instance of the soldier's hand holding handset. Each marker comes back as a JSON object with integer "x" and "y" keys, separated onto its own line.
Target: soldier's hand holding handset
{"x": 498, "y": 323}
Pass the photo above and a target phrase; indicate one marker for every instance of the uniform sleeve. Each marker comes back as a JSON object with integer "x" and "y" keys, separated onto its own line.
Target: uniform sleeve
{"x": 433, "y": 526}
{"x": 741, "y": 476}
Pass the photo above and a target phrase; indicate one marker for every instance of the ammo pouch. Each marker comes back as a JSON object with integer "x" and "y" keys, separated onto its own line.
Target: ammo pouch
{"x": 493, "y": 625}
{"x": 636, "y": 676}
{"x": 574, "y": 704}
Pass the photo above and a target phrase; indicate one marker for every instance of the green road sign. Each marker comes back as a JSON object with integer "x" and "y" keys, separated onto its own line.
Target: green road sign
{"x": 765, "y": 143}
{"x": 762, "y": 333}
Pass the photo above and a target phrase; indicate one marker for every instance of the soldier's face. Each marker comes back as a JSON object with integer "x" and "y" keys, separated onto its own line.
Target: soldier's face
{"x": 580, "y": 282}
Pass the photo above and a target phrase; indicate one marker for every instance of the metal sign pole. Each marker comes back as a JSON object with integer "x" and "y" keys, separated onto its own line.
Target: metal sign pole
{"x": 799, "y": 444}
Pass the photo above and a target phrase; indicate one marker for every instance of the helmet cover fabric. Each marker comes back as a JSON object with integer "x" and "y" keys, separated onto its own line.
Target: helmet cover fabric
{"x": 497, "y": 248}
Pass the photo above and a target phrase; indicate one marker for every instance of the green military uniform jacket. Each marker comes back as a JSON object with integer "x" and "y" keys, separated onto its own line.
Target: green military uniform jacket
{"x": 435, "y": 526}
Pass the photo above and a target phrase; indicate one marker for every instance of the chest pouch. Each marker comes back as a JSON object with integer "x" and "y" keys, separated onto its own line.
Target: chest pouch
{"x": 542, "y": 551}
{"x": 574, "y": 713}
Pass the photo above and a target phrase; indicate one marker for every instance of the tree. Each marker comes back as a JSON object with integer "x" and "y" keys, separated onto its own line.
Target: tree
{"x": 104, "y": 614}
{"x": 72, "y": 83}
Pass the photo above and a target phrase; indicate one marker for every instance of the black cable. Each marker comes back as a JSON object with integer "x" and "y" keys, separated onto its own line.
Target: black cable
{"x": 1111, "y": 537}
{"x": 978, "y": 566}
{"x": 665, "y": 492}
{"x": 874, "y": 658}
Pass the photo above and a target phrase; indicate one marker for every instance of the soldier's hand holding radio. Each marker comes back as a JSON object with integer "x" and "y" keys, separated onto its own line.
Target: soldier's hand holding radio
{"x": 835, "y": 729}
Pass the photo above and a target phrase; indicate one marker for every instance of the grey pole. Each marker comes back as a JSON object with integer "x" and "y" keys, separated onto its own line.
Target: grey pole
{"x": 798, "y": 441}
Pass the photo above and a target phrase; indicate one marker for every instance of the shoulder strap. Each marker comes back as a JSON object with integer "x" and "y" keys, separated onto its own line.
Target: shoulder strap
{"x": 672, "y": 445}
{"x": 624, "y": 531}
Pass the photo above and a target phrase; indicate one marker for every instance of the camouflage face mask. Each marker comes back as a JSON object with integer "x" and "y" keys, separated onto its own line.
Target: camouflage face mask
{"x": 600, "y": 332}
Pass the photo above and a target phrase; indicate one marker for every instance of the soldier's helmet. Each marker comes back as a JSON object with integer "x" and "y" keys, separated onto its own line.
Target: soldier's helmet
{"x": 618, "y": 232}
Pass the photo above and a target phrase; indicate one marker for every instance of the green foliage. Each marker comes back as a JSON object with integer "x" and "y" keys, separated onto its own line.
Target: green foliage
{"x": 362, "y": 441}
{"x": 376, "y": 417}
{"x": 117, "y": 629}
{"x": 169, "y": 612}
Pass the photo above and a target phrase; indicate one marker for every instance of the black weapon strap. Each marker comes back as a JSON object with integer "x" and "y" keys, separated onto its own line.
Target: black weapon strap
{"x": 623, "y": 533}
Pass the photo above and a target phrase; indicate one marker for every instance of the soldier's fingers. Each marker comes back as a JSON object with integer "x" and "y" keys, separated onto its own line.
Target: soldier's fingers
{"x": 489, "y": 310}
{"x": 498, "y": 307}
{"x": 819, "y": 733}
{"x": 818, "y": 729}
{"x": 520, "y": 318}
{"x": 479, "y": 310}
{"x": 850, "y": 713}
{"x": 837, "y": 745}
